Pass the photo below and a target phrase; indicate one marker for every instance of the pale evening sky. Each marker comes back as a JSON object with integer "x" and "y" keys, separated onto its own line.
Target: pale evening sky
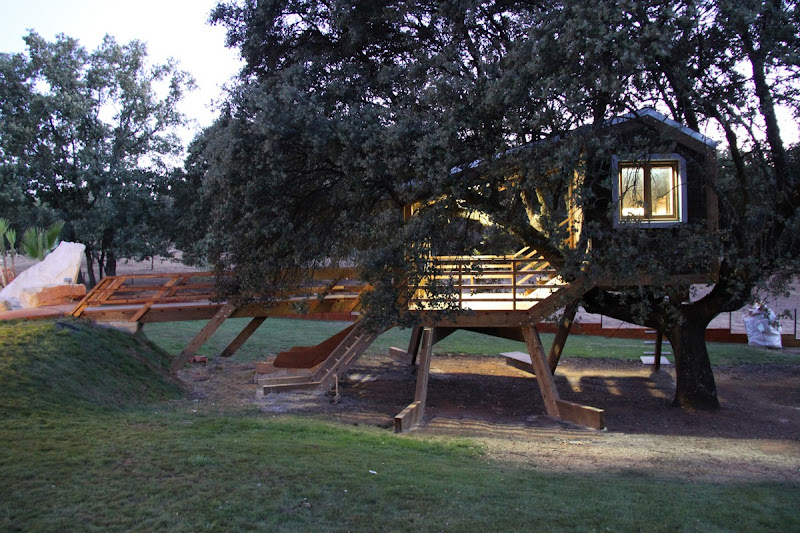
{"x": 171, "y": 28}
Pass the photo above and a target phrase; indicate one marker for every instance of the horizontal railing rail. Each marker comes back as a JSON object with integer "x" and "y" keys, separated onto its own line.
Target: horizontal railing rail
{"x": 485, "y": 282}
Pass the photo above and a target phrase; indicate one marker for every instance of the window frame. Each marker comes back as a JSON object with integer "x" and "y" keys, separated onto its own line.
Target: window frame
{"x": 678, "y": 165}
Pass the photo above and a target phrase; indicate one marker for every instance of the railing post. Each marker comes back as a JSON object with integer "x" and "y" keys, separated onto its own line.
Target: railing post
{"x": 514, "y": 284}
{"x": 460, "y": 287}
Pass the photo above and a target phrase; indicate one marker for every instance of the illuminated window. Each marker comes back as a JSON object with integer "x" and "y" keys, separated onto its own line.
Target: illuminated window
{"x": 650, "y": 191}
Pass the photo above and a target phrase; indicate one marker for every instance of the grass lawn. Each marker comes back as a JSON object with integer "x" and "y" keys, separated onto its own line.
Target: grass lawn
{"x": 278, "y": 334}
{"x": 95, "y": 437}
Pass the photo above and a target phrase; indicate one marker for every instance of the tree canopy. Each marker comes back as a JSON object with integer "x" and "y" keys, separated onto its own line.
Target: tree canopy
{"x": 90, "y": 138}
{"x": 346, "y": 112}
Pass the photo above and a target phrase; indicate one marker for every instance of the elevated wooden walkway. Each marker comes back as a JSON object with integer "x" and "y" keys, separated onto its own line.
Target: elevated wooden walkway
{"x": 502, "y": 296}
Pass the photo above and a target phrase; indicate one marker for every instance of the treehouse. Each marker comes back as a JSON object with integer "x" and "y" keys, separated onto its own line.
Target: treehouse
{"x": 654, "y": 175}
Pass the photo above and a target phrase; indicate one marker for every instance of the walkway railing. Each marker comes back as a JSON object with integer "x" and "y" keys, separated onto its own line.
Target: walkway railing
{"x": 141, "y": 292}
{"x": 487, "y": 282}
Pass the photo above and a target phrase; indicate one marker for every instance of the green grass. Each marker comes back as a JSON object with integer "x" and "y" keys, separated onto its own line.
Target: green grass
{"x": 72, "y": 364}
{"x": 171, "y": 469}
{"x": 92, "y": 439}
{"x": 277, "y": 334}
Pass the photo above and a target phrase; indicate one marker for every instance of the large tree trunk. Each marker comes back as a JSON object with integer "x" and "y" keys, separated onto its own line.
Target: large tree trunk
{"x": 92, "y": 281}
{"x": 694, "y": 384}
{"x": 695, "y": 387}
{"x": 111, "y": 264}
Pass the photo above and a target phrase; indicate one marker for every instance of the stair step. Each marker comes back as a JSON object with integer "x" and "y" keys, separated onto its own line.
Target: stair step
{"x": 653, "y": 353}
{"x": 311, "y": 385}
{"x": 325, "y": 376}
{"x": 286, "y": 380}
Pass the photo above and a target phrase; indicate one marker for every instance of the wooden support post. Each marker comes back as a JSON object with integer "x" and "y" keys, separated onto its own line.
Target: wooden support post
{"x": 555, "y": 406}
{"x": 412, "y": 415}
{"x": 413, "y": 344}
{"x": 544, "y": 376}
{"x": 240, "y": 339}
{"x": 440, "y": 334}
{"x": 657, "y": 354}
{"x": 562, "y": 333}
{"x": 202, "y": 336}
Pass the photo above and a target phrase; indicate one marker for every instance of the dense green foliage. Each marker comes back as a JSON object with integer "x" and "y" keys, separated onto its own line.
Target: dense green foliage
{"x": 346, "y": 112}
{"x": 89, "y": 138}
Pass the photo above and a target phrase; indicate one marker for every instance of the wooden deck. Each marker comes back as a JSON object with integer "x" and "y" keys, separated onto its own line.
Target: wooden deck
{"x": 503, "y": 296}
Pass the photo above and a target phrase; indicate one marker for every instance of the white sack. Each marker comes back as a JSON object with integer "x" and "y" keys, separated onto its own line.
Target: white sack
{"x": 60, "y": 267}
{"x": 763, "y": 327}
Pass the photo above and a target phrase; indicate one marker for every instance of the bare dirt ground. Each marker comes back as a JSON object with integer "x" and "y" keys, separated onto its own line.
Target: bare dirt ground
{"x": 754, "y": 437}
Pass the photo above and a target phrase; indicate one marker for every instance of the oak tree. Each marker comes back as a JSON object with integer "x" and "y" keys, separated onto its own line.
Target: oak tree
{"x": 345, "y": 112}
{"x": 91, "y": 136}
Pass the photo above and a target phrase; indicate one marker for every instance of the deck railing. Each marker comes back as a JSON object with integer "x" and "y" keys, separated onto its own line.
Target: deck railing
{"x": 147, "y": 290}
{"x": 487, "y": 282}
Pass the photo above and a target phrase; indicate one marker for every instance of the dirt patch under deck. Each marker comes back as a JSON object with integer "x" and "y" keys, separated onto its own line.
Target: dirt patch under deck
{"x": 754, "y": 437}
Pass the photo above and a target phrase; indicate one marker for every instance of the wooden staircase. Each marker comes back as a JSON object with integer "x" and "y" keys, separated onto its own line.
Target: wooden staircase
{"x": 326, "y": 375}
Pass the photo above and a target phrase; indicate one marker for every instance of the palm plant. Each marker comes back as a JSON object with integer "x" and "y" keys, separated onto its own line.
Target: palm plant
{"x": 11, "y": 236}
{"x": 38, "y": 242}
{"x": 3, "y": 230}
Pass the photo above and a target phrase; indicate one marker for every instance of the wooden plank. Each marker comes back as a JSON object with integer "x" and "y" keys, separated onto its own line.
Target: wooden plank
{"x": 84, "y": 303}
{"x": 286, "y": 380}
{"x": 519, "y": 360}
{"x": 547, "y": 384}
{"x": 243, "y": 335}
{"x": 202, "y": 336}
{"x": 164, "y": 290}
{"x": 414, "y": 342}
{"x": 108, "y": 292}
{"x": 650, "y": 359}
{"x": 399, "y": 354}
{"x": 514, "y": 334}
{"x": 522, "y": 357}
{"x": 408, "y": 418}
{"x": 583, "y": 415}
{"x": 412, "y": 415}
{"x": 564, "y": 326}
{"x": 657, "y": 353}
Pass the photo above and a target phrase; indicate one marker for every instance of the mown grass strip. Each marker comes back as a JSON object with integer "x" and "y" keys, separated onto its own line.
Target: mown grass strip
{"x": 176, "y": 470}
{"x": 276, "y": 335}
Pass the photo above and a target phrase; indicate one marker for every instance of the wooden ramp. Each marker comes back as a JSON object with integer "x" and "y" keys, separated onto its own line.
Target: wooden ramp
{"x": 325, "y": 375}
{"x": 311, "y": 356}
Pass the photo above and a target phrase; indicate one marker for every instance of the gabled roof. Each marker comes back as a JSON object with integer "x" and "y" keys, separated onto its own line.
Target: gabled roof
{"x": 652, "y": 113}
{"x": 644, "y": 113}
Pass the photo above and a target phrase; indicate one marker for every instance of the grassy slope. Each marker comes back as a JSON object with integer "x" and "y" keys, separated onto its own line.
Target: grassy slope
{"x": 89, "y": 441}
{"x": 278, "y": 334}
{"x": 70, "y": 364}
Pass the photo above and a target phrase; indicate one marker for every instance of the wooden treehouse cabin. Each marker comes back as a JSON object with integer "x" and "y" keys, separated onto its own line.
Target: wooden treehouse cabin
{"x": 658, "y": 187}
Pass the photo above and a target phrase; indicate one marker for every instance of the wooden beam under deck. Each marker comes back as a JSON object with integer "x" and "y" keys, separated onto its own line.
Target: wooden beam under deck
{"x": 412, "y": 415}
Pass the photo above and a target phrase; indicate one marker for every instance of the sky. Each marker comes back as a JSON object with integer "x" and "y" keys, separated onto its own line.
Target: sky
{"x": 171, "y": 28}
